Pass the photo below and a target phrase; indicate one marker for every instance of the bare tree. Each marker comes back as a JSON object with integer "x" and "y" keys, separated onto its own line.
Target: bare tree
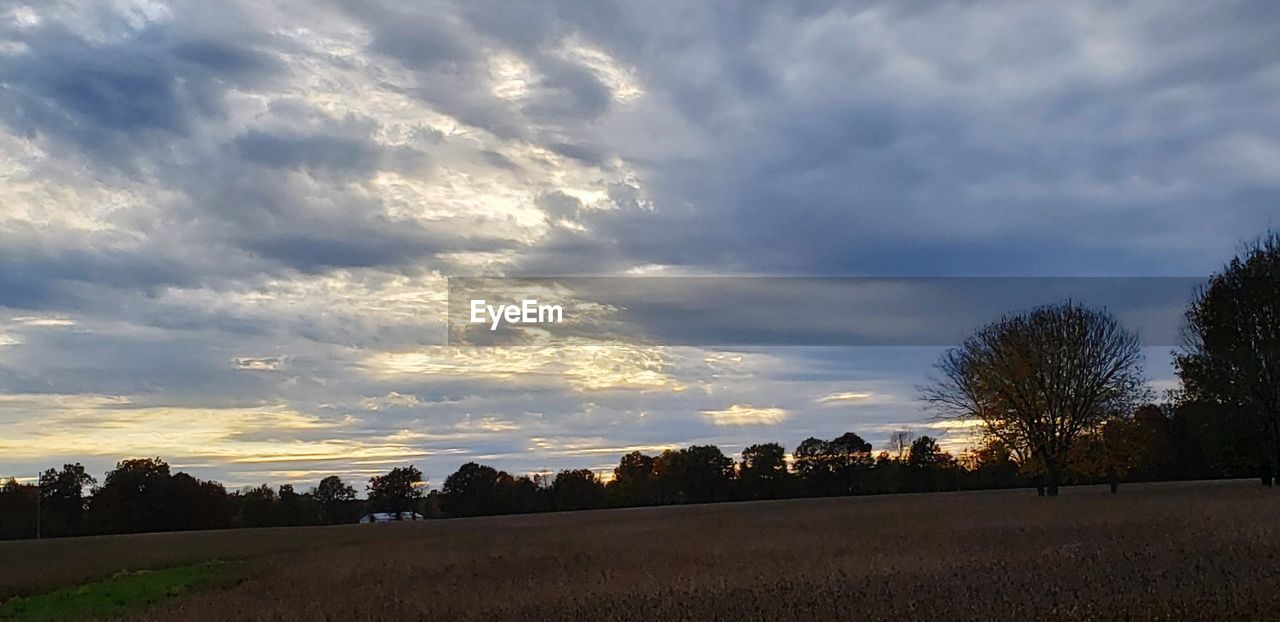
{"x": 1039, "y": 381}
{"x": 900, "y": 443}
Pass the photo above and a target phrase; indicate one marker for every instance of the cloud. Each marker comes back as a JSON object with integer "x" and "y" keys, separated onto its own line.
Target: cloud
{"x": 844, "y": 397}
{"x": 194, "y": 192}
{"x": 266, "y": 363}
{"x": 392, "y": 399}
{"x": 579, "y": 366}
{"x": 114, "y": 98}
{"x": 487, "y": 424}
{"x": 742, "y": 414}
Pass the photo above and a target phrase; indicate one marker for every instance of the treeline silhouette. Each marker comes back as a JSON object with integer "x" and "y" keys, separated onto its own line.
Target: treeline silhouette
{"x": 145, "y": 495}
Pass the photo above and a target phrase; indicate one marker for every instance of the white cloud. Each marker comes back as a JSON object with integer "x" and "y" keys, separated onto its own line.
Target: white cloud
{"x": 843, "y": 397}
{"x": 742, "y": 414}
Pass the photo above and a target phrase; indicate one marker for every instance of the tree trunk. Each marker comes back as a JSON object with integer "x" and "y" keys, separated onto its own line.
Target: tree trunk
{"x": 1275, "y": 459}
{"x": 1052, "y": 488}
{"x": 1272, "y": 465}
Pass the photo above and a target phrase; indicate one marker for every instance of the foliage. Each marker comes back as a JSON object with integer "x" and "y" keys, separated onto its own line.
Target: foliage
{"x": 63, "y": 501}
{"x": 1231, "y": 352}
{"x": 397, "y": 492}
{"x": 335, "y": 497}
{"x": 763, "y": 473}
{"x": 577, "y": 489}
{"x": 1040, "y": 381}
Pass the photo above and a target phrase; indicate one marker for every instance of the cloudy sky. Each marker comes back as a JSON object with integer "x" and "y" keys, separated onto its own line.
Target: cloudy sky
{"x": 225, "y": 228}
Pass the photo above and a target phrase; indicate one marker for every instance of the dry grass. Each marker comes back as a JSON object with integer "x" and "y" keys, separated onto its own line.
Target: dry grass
{"x": 1163, "y": 551}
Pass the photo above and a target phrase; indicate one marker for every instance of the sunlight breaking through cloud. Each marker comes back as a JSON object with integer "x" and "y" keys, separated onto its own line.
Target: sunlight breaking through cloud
{"x": 742, "y": 414}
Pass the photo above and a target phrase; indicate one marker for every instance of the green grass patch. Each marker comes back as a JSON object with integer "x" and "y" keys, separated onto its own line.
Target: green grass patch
{"x": 123, "y": 591}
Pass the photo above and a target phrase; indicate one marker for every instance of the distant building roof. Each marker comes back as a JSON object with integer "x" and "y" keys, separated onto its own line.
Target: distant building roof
{"x": 388, "y": 517}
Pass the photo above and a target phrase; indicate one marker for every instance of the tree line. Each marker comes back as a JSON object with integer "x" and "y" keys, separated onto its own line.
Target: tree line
{"x": 1162, "y": 442}
{"x": 1057, "y": 394}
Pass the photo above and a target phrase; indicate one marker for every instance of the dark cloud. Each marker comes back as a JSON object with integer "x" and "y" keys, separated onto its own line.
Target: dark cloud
{"x": 111, "y": 99}
{"x": 569, "y": 91}
{"x": 581, "y": 153}
{"x": 310, "y": 152}
{"x": 326, "y": 154}
{"x": 42, "y": 278}
{"x": 500, "y": 161}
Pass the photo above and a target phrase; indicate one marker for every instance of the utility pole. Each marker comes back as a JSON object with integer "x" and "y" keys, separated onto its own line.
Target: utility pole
{"x": 39, "y": 495}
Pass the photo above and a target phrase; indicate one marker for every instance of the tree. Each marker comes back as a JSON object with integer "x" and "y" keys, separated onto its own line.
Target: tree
{"x": 132, "y": 497}
{"x": 196, "y": 504}
{"x": 578, "y": 489}
{"x": 834, "y": 467}
{"x": 991, "y": 465}
{"x": 1230, "y": 356}
{"x": 809, "y": 458}
{"x": 1111, "y": 452}
{"x": 695, "y": 474}
{"x": 1040, "y": 380}
{"x": 63, "y": 504}
{"x": 296, "y": 509}
{"x": 1150, "y": 436}
{"x": 634, "y": 480}
{"x": 1138, "y": 446}
{"x": 812, "y": 463}
{"x": 472, "y": 490}
{"x": 849, "y": 450}
{"x": 928, "y": 467}
{"x": 397, "y": 491}
{"x": 141, "y": 495}
{"x": 333, "y": 495}
{"x": 900, "y": 444}
{"x": 850, "y": 457}
{"x": 17, "y": 510}
{"x": 519, "y": 495}
{"x": 924, "y": 453}
{"x": 257, "y": 507}
{"x": 764, "y": 471}
{"x": 1213, "y": 441}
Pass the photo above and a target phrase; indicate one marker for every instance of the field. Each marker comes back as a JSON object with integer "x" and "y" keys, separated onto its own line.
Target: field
{"x": 1168, "y": 551}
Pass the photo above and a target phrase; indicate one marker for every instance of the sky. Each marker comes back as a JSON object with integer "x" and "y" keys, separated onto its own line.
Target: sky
{"x": 226, "y": 228}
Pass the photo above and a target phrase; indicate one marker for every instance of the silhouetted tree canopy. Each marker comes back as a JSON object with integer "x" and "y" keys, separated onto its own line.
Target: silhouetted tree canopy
{"x": 1231, "y": 352}
{"x": 924, "y": 452}
{"x": 334, "y": 497}
{"x": 763, "y": 472}
{"x": 634, "y": 480}
{"x": 578, "y": 489}
{"x": 133, "y": 497}
{"x": 472, "y": 490}
{"x": 696, "y": 474}
{"x": 141, "y": 494}
{"x": 834, "y": 467}
{"x": 257, "y": 507}
{"x": 64, "y": 502}
{"x": 397, "y": 491}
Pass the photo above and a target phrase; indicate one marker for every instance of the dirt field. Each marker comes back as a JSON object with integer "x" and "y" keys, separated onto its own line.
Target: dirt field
{"x": 1173, "y": 551}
